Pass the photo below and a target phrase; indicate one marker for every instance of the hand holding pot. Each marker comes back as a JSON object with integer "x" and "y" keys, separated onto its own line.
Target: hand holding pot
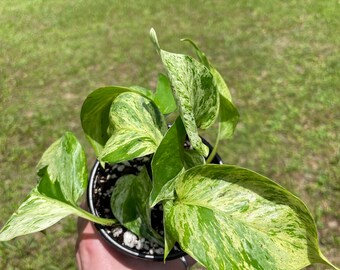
{"x": 92, "y": 252}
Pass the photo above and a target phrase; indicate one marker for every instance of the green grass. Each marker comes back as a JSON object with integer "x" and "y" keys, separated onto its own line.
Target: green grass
{"x": 281, "y": 60}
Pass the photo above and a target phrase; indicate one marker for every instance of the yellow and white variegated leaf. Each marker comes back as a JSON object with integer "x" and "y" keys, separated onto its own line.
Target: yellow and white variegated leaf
{"x": 227, "y": 217}
{"x": 63, "y": 170}
{"x": 195, "y": 92}
{"x": 33, "y": 216}
{"x": 95, "y": 113}
{"x": 63, "y": 173}
{"x": 137, "y": 128}
{"x": 229, "y": 115}
{"x": 221, "y": 85}
{"x": 39, "y": 212}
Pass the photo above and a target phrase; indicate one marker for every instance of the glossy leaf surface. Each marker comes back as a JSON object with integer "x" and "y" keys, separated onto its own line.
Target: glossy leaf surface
{"x": 195, "y": 92}
{"x": 137, "y": 128}
{"x": 171, "y": 158}
{"x": 168, "y": 159}
{"x": 221, "y": 85}
{"x": 228, "y": 217}
{"x": 163, "y": 96}
{"x": 95, "y": 113}
{"x": 63, "y": 180}
{"x": 229, "y": 115}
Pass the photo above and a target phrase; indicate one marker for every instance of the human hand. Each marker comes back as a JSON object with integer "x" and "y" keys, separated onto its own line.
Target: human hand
{"x": 92, "y": 252}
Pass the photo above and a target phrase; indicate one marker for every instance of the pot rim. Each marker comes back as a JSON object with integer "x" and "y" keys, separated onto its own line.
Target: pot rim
{"x": 110, "y": 240}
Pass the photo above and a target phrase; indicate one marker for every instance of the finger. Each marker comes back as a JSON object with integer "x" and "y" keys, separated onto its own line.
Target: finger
{"x": 94, "y": 253}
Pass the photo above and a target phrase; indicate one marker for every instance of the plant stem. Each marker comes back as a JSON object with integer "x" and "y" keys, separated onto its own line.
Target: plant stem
{"x": 103, "y": 221}
{"x": 214, "y": 151}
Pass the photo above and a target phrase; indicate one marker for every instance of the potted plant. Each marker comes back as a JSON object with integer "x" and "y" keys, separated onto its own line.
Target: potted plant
{"x": 224, "y": 216}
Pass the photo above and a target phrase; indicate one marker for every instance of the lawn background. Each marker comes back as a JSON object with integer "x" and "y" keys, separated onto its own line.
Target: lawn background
{"x": 281, "y": 60}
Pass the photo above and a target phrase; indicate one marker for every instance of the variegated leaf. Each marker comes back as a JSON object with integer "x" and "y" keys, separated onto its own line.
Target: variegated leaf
{"x": 221, "y": 85}
{"x": 137, "y": 128}
{"x": 36, "y": 213}
{"x": 228, "y": 217}
{"x": 63, "y": 170}
{"x": 201, "y": 55}
{"x": 163, "y": 96}
{"x": 168, "y": 160}
{"x": 95, "y": 113}
{"x": 195, "y": 92}
{"x": 229, "y": 115}
{"x": 63, "y": 180}
{"x": 166, "y": 192}
{"x": 129, "y": 204}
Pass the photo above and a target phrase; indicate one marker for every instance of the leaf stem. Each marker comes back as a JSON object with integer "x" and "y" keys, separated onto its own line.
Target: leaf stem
{"x": 102, "y": 221}
{"x": 214, "y": 150}
{"x": 326, "y": 261}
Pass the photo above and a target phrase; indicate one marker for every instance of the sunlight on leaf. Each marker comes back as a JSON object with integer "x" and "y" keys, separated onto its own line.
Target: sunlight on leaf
{"x": 228, "y": 217}
{"x": 63, "y": 173}
{"x": 136, "y": 126}
{"x": 195, "y": 92}
{"x": 95, "y": 113}
{"x": 163, "y": 96}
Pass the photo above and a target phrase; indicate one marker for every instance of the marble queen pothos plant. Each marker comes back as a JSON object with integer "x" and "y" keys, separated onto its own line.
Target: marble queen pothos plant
{"x": 224, "y": 216}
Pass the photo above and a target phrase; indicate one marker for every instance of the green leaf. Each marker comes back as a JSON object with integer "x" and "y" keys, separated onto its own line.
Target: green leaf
{"x": 163, "y": 96}
{"x": 137, "y": 128}
{"x": 201, "y": 55}
{"x": 195, "y": 92}
{"x": 194, "y": 89}
{"x": 228, "y": 217}
{"x": 95, "y": 113}
{"x": 192, "y": 158}
{"x": 228, "y": 114}
{"x": 229, "y": 117}
{"x": 129, "y": 204}
{"x": 167, "y": 161}
{"x": 63, "y": 170}
{"x": 144, "y": 91}
{"x": 63, "y": 173}
{"x": 36, "y": 213}
{"x": 170, "y": 159}
{"x": 170, "y": 233}
{"x": 221, "y": 85}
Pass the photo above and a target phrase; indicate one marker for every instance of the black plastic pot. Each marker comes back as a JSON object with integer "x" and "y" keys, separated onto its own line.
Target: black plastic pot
{"x": 106, "y": 231}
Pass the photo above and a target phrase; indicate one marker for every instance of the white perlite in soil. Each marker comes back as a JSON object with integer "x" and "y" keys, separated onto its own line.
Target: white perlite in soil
{"x": 104, "y": 184}
{"x": 131, "y": 240}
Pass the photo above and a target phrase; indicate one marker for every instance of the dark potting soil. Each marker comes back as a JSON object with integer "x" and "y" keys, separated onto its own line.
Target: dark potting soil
{"x": 105, "y": 180}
